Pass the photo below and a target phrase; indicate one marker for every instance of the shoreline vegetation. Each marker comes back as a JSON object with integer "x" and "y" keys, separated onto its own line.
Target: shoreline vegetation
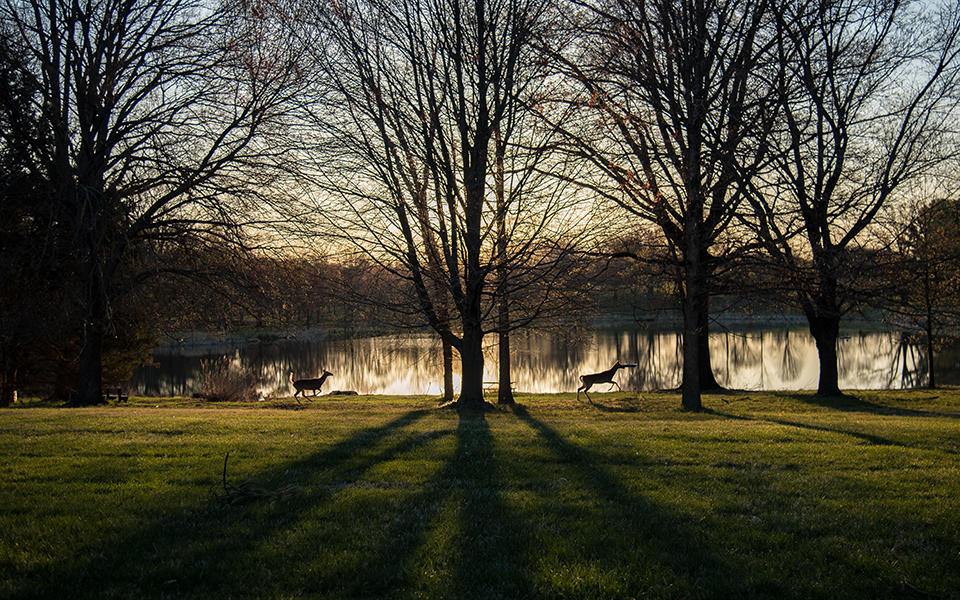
{"x": 760, "y": 495}
{"x": 657, "y": 402}
{"x": 202, "y": 338}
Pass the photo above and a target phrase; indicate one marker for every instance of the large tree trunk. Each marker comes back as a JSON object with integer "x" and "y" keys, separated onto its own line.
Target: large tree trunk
{"x": 471, "y": 346}
{"x": 471, "y": 367}
{"x": 8, "y": 379}
{"x": 90, "y": 367}
{"x": 8, "y": 387}
{"x": 8, "y": 394}
{"x": 471, "y": 350}
{"x": 93, "y": 327}
{"x": 693, "y": 305}
{"x": 708, "y": 382}
{"x": 693, "y": 257}
{"x": 823, "y": 316}
{"x": 826, "y": 331}
{"x": 690, "y": 387}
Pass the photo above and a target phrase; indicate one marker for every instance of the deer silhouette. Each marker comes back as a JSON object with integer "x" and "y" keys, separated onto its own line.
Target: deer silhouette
{"x": 589, "y": 381}
{"x": 314, "y": 385}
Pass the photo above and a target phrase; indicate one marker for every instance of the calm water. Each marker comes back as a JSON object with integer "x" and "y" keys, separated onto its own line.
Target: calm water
{"x": 768, "y": 359}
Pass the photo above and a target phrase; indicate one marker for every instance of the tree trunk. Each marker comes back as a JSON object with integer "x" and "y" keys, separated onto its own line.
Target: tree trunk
{"x": 93, "y": 327}
{"x": 8, "y": 395}
{"x": 693, "y": 306}
{"x": 931, "y": 378}
{"x": 694, "y": 245}
{"x": 928, "y": 307}
{"x": 693, "y": 264}
{"x": 8, "y": 386}
{"x": 90, "y": 368}
{"x": 447, "y": 371}
{"x": 708, "y": 382}
{"x": 504, "y": 393}
{"x": 690, "y": 388}
{"x": 826, "y": 331}
{"x": 471, "y": 347}
{"x": 471, "y": 367}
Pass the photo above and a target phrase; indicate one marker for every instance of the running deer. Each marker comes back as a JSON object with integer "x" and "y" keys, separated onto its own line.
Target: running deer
{"x": 601, "y": 377}
{"x": 308, "y": 384}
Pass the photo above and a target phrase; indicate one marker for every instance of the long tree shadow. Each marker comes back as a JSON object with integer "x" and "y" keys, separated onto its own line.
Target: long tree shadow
{"x": 493, "y": 549}
{"x": 449, "y": 536}
{"x": 866, "y": 437}
{"x": 850, "y": 403}
{"x": 205, "y": 550}
{"x": 455, "y": 538}
{"x": 664, "y": 540}
{"x": 873, "y": 439}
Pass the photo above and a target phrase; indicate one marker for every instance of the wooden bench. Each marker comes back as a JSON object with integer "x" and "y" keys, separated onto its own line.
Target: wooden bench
{"x": 116, "y": 393}
{"x": 490, "y": 387}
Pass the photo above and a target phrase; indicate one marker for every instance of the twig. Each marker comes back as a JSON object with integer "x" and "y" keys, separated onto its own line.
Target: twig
{"x": 247, "y": 491}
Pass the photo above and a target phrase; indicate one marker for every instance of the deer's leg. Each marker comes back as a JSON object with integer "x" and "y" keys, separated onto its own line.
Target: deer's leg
{"x": 588, "y": 395}
{"x": 616, "y": 384}
{"x": 584, "y": 387}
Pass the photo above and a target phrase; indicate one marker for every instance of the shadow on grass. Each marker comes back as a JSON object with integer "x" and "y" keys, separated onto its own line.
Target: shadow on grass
{"x": 203, "y": 549}
{"x": 666, "y": 548}
{"x": 494, "y": 543}
{"x": 619, "y": 405}
{"x": 872, "y": 439}
{"x": 851, "y": 403}
{"x": 454, "y": 538}
{"x": 866, "y": 437}
{"x": 351, "y": 533}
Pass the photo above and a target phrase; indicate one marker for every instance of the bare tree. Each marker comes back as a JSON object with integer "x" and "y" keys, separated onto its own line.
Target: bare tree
{"x": 924, "y": 284}
{"x": 159, "y": 112}
{"x": 432, "y": 176}
{"x": 673, "y": 108}
{"x": 872, "y": 90}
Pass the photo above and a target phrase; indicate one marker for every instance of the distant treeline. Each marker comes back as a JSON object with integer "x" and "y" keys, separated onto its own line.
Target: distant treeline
{"x": 212, "y": 290}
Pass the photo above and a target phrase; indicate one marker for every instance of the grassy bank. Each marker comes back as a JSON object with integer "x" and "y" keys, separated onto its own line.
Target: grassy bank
{"x": 763, "y": 495}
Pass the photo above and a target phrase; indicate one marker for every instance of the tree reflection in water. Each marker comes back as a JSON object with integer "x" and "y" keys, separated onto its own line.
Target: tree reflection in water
{"x": 770, "y": 359}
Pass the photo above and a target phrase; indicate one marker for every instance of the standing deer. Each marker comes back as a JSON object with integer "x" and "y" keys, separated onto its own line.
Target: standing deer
{"x": 601, "y": 377}
{"x": 308, "y": 384}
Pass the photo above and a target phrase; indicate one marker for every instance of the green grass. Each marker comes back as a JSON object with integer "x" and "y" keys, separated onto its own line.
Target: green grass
{"x": 762, "y": 495}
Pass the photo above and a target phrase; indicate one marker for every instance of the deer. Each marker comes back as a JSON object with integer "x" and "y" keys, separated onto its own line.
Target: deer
{"x": 308, "y": 384}
{"x": 602, "y": 377}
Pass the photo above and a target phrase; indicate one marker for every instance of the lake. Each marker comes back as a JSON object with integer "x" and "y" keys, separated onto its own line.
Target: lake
{"x": 773, "y": 358}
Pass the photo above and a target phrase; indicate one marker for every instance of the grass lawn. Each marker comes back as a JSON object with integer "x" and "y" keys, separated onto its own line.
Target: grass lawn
{"x": 761, "y": 496}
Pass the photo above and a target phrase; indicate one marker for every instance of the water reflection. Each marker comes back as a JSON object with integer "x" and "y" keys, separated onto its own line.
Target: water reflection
{"x": 769, "y": 359}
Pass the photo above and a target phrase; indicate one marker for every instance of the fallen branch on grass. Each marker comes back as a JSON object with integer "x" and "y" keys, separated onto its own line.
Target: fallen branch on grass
{"x": 248, "y": 491}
